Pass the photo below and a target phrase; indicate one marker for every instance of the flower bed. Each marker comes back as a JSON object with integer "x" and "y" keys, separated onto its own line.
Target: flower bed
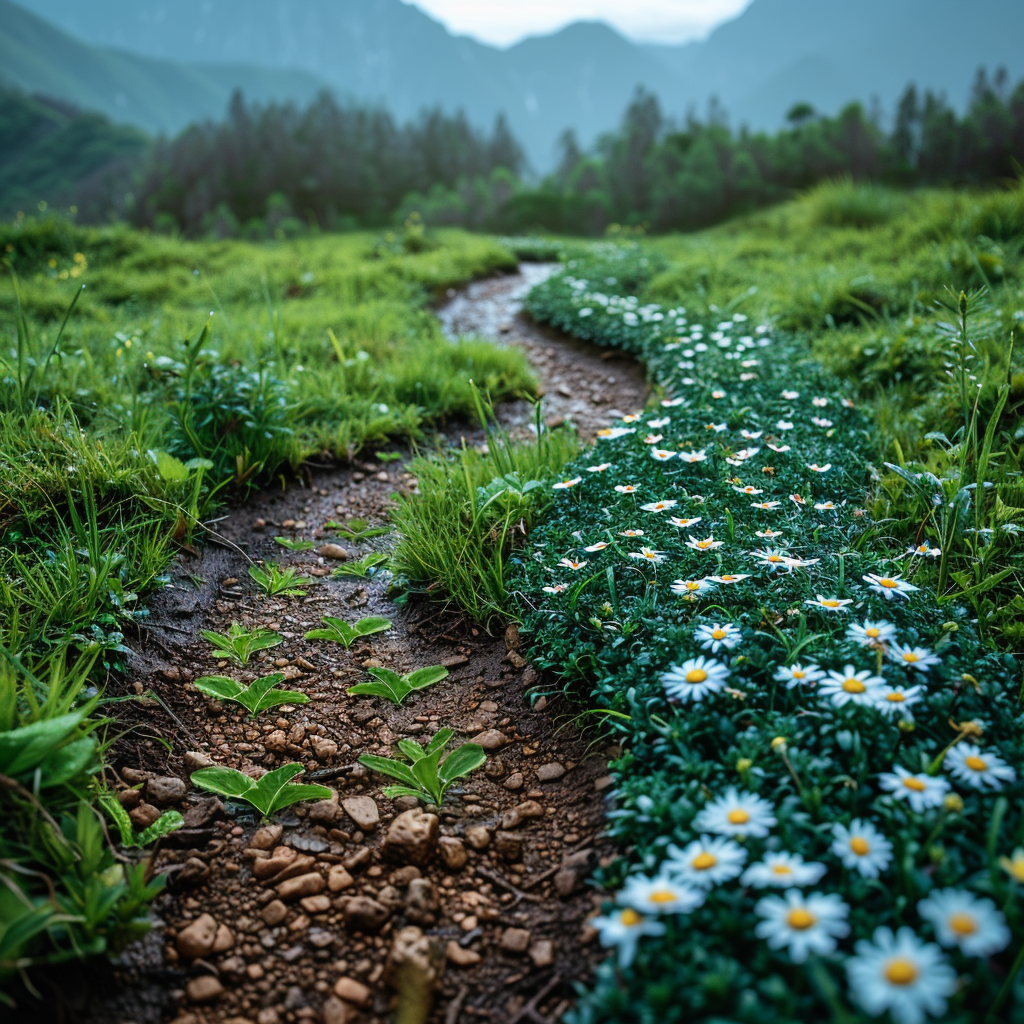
{"x": 819, "y": 796}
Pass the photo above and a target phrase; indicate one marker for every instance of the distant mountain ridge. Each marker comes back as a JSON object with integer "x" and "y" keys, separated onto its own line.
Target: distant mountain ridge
{"x": 777, "y": 52}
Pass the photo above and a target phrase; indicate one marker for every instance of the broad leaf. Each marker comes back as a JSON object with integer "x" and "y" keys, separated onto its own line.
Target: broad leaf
{"x": 388, "y": 766}
{"x": 168, "y": 822}
{"x": 341, "y": 632}
{"x": 219, "y": 686}
{"x": 395, "y": 688}
{"x": 268, "y": 795}
{"x": 226, "y": 781}
{"x": 23, "y": 749}
{"x": 461, "y": 762}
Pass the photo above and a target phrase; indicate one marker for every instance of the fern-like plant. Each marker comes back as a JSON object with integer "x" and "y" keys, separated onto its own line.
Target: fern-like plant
{"x": 258, "y": 696}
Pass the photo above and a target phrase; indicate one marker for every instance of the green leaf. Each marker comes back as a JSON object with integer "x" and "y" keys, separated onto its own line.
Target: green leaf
{"x": 388, "y": 766}
{"x": 63, "y": 765}
{"x": 23, "y": 749}
{"x": 109, "y": 802}
{"x": 395, "y": 688}
{"x": 440, "y": 740}
{"x": 341, "y": 632}
{"x": 168, "y": 822}
{"x": 295, "y": 545}
{"x": 364, "y": 567}
{"x": 421, "y": 678}
{"x": 226, "y": 781}
{"x": 219, "y": 686}
{"x": 461, "y": 762}
{"x": 271, "y": 793}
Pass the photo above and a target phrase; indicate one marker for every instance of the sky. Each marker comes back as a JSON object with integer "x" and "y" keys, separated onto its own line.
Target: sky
{"x": 503, "y": 22}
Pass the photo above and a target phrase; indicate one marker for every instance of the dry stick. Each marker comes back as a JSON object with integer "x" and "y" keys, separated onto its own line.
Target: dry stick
{"x": 498, "y": 880}
{"x": 455, "y": 1006}
{"x": 537, "y": 879}
{"x": 529, "y": 1011}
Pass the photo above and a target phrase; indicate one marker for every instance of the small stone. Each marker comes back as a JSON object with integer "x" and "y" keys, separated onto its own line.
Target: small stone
{"x": 352, "y": 991}
{"x": 515, "y": 940}
{"x": 508, "y": 846}
{"x": 403, "y": 876}
{"x": 166, "y": 790}
{"x": 515, "y": 816}
{"x": 336, "y": 1012}
{"x": 542, "y": 953}
{"x": 358, "y": 860}
{"x": 196, "y": 759}
{"x": 603, "y": 783}
{"x": 294, "y": 998}
{"x": 202, "y": 812}
{"x": 479, "y": 837}
{"x": 421, "y": 901}
{"x": 323, "y": 748}
{"x": 333, "y": 551}
{"x": 266, "y": 837}
{"x": 193, "y": 872}
{"x": 276, "y": 742}
{"x": 274, "y": 913}
{"x": 411, "y": 837}
{"x": 197, "y": 939}
{"x": 514, "y": 781}
{"x": 283, "y": 857}
{"x": 415, "y": 959}
{"x": 204, "y": 989}
{"x": 460, "y": 956}
{"x": 324, "y": 811}
{"x": 492, "y": 739}
{"x": 315, "y": 904}
{"x": 453, "y": 853}
{"x": 144, "y": 815}
{"x": 550, "y": 772}
{"x": 224, "y": 939}
{"x": 268, "y": 1016}
{"x": 363, "y": 811}
{"x": 303, "y": 885}
{"x": 233, "y": 969}
{"x": 365, "y": 914}
{"x": 338, "y": 878}
{"x": 566, "y": 879}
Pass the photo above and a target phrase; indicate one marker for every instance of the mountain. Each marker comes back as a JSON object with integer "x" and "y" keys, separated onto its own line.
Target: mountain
{"x": 187, "y": 54}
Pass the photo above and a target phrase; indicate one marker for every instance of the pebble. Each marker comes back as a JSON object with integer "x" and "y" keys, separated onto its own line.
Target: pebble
{"x": 411, "y": 837}
{"x": 166, "y": 790}
{"x": 266, "y": 837}
{"x": 274, "y": 913}
{"x": 197, "y": 939}
{"x": 492, "y": 739}
{"x": 515, "y": 816}
{"x": 303, "y": 885}
{"x": 453, "y": 853}
{"x": 550, "y": 772}
{"x": 363, "y": 811}
{"x": 204, "y": 989}
{"x": 603, "y": 783}
{"x": 542, "y": 953}
{"x": 324, "y": 811}
{"x": 333, "y": 551}
{"x": 514, "y": 781}
{"x": 144, "y": 815}
{"x": 515, "y": 940}
{"x": 508, "y": 846}
{"x": 352, "y": 991}
{"x": 315, "y": 904}
{"x": 336, "y": 1012}
{"x": 461, "y": 957}
{"x": 338, "y": 878}
{"x": 365, "y": 914}
{"x": 479, "y": 837}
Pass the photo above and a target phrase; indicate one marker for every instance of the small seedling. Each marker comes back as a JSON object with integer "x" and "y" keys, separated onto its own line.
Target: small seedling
{"x": 395, "y": 688}
{"x": 168, "y": 822}
{"x": 356, "y": 529}
{"x": 256, "y": 697}
{"x": 269, "y": 795}
{"x": 341, "y": 632}
{"x": 295, "y": 545}
{"x": 273, "y": 580}
{"x": 388, "y": 456}
{"x": 368, "y": 566}
{"x": 425, "y": 778}
{"x": 240, "y": 644}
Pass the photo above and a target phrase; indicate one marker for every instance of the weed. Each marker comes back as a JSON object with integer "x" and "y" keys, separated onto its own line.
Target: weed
{"x": 295, "y": 545}
{"x": 240, "y": 644}
{"x": 395, "y": 688}
{"x": 274, "y": 581}
{"x": 168, "y": 822}
{"x": 356, "y": 530}
{"x": 369, "y": 565}
{"x": 342, "y": 633}
{"x": 270, "y": 794}
{"x": 257, "y": 697}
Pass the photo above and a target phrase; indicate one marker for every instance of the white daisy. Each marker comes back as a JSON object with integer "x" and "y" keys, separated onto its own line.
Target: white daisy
{"x": 648, "y": 555}
{"x": 613, "y": 433}
{"x": 730, "y": 577}
{"x": 871, "y": 634}
{"x": 659, "y": 423}
{"x": 780, "y": 448}
{"x": 684, "y": 523}
{"x": 897, "y": 700}
{"x": 718, "y": 394}
{"x": 736, "y": 814}
{"x": 830, "y": 604}
{"x": 659, "y": 506}
{"x": 718, "y": 427}
{"x": 691, "y": 587}
{"x": 900, "y": 973}
{"x": 571, "y": 563}
{"x": 599, "y": 468}
{"x": 769, "y": 534}
{"x": 661, "y": 455}
{"x": 627, "y": 488}
{"x": 888, "y": 586}
{"x": 815, "y": 468}
{"x": 557, "y": 588}
{"x": 749, "y": 489}
{"x": 751, "y": 435}
{"x": 766, "y": 505}
{"x": 820, "y": 421}
{"x": 790, "y": 396}
{"x": 623, "y": 930}
{"x": 671, "y": 403}
{"x": 825, "y": 506}
{"x": 695, "y": 678}
{"x": 713, "y": 637}
{"x": 599, "y": 546}
{"x": 564, "y": 485}
{"x": 692, "y": 457}
{"x": 707, "y": 861}
{"x": 979, "y": 769}
{"x": 819, "y": 402}
{"x": 924, "y": 551}
{"x": 797, "y": 500}
{"x": 709, "y": 544}
{"x": 659, "y": 895}
{"x": 653, "y": 438}
{"x": 784, "y": 425}
{"x": 851, "y": 687}
{"x": 798, "y": 675}
{"x": 914, "y": 657}
{"x": 631, "y": 417}
{"x": 802, "y": 924}
{"x": 631, "y": 533}
{"x": 962, "y": 919}
{"x": 862, "y": 847}
{"x": 920, "y": 791}
{"x": 773, "y": 558}
{"x": 778, "y": 869}
{"x": 800, "y": 563}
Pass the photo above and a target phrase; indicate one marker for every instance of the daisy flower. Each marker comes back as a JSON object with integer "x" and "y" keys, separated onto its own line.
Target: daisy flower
{"x": 900, "y": 973}
{"x": 800, "y": 563}
{"x": 707, "y": 861}
{"x": 830, "y": 604}
{"x": 778, "y": 869}
{"x": 815, "y": 468}
{"x": 695, "y": 678}
{"x": 631, "y": 533}
{"x": 924, "y": 551}
{"x": 718, "y": 394}
{"x": 747, "y": 453}
{"x": 765, "y": 505}
{"x": 780, "y": 448}
{"x": 671, "y": 403}
{"x": 623, "y": 930}
{"x": 708, "y": 544}
{"x": 825, "y": 506}
{"x": 820, "y": 403}
{"x": 725, "y": 635}
{"x": 564, "y": 485}
{"x": 631, "y": 417}
{"x": 851, "y": 687}
{"x": 659, "y": 506}
{"x": 798, "y": 675}
{"x": 871, "y": 634}
{"x": 820, "y": 421}
{"x": 661, "y": 455}
{"x": 978, "y": 768}
{"x": 888, "y": 586}
{"x": 557, "y": 588}
{"x": 862, "y": 847}
{"x": 613, "y": 433}
{"x": 571, "y": 563}
{"x": 692, "y": 457}
{"x": 599, "y": 468}
{"x": 962, "y": 919}
{"x": 802, "y": 924}
{"x": 684, "y": 523}
{"x": 797, "y": 500}
{"x": 897, "y": 700}
{"x": 599, "y": 546}
{"x": 749, "y": 489}
{"x": 1014, "y": 865}
{"x": 914, "y": 657}
{"x": 920, "y": 791}
{"x": 790, "y": 396}
{"x": 690, "y": 587}
{"x": 653, "y": 438}
{"x": 773, "y": 558}
{"x": 736, "y": 814}
{"x": 718, "y": 427}
{"x": 659, "y": 895}
{"x": 769, "y": 534}
{"x": 658, "y": 424}
{"x": 784, "y": 425}
{"x": 730, "y": 577}
{"x": 648, "y": 555}
{"x": 627, "y": 488}
{"x": 751, "y": 435}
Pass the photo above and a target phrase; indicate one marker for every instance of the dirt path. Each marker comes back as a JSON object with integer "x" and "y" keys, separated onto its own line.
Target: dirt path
{"x": 310, "y": 916}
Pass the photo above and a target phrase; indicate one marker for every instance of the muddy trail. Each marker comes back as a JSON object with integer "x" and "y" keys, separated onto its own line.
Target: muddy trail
{"x": 325, "y": 914}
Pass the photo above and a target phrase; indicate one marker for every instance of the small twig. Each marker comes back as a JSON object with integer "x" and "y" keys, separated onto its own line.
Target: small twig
{"x": 498, "y": 880}
{"x": 529, "y": 1011}
{"x": 537, "y": 879}
{"x": 455, "y": 1006}
{"x": 181, "y": 725}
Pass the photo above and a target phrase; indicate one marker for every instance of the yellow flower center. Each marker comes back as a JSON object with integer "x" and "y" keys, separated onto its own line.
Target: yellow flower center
{"x": 831, "y": 603}
{"x": 900, "y": 972}
{"x": 738, "y": 816}
{"x": 662, "y": 896}
{"x": 852, "y": 685}
{"x": 703, "y": 543}
{"x": 719, "y": 634}
{"x": 696, "y": 675}
{"x": 888, "y": 583}
{"x": 873, "y": 632}
{"x": 728, "y": 577}
{"x": 797, "y": 674}
{"x": 860, "y": 846}
{"x": 915, "y": 784}
{"x": 781, "y": 869}
{"x": 692, "y": 586}
{"x": 630, "y": 918}
{"x": 976, "y": 764}
{"x": 774, "y": 558}
{"x": 911, "y": 657}
{"x": 896, "y": 697}
{"x": 800, "y": 919}
{"x": 963, "y": 924}
{"x": 703, "y": 861}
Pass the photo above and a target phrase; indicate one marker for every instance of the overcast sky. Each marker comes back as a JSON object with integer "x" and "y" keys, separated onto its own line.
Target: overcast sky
{"x": 504, "y": 22}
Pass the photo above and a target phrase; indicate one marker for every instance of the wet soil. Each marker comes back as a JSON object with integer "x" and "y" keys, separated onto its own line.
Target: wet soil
{"x": 478, "y": 913}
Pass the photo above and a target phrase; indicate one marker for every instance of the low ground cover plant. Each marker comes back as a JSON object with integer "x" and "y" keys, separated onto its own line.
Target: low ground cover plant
{"x": 240, "y": 644}
{"x": 259, "y": 696}
{"x": 820, "y": 793}
{"x": 394, "y": 687}
{"x": 341, "y": 632}
{"x": 273, "y": 580}
{"x": 269, "y": 794}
